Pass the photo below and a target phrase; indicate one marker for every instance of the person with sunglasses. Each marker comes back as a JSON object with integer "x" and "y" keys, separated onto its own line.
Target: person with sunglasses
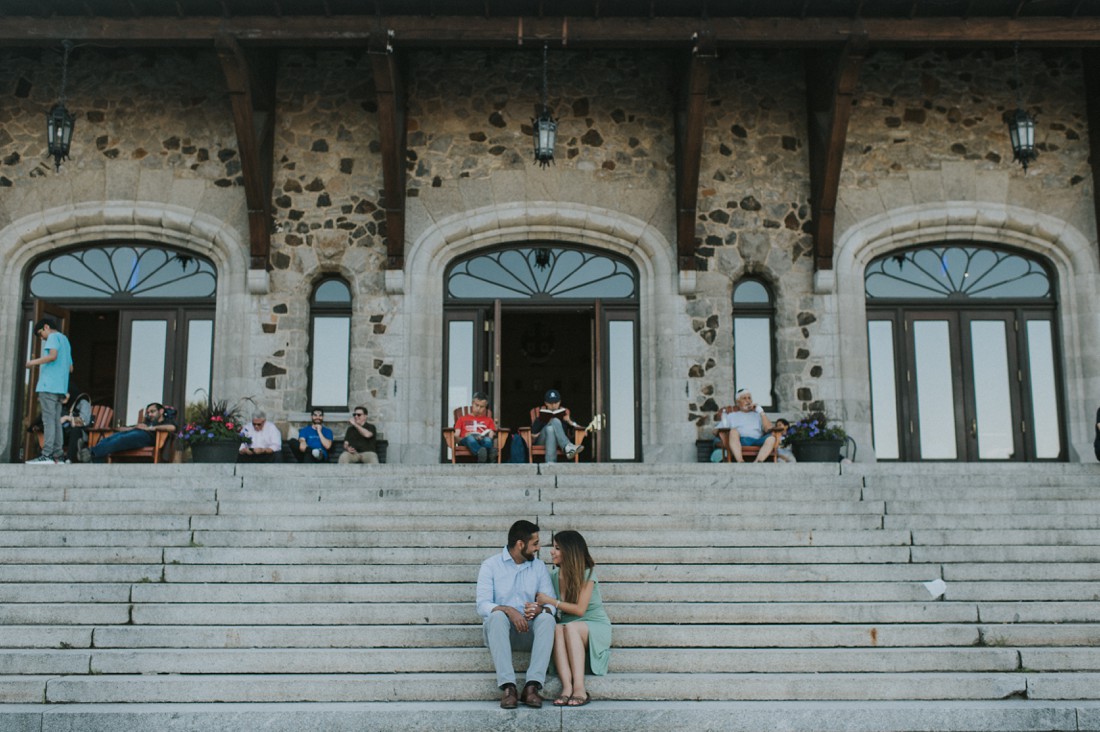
{"x": 360, "y": 441}
{"x": 266, "y": 442}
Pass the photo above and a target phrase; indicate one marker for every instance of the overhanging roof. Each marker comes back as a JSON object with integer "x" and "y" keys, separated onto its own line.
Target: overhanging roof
{"x": 577, "y": 23}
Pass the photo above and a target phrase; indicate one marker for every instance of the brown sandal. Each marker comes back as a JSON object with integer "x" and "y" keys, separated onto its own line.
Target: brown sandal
{"x": 576, "y": 701}
{"x": 562, "y": 701}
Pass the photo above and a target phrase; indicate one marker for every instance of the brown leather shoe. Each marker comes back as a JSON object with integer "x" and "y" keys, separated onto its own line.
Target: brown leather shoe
{"x": 509, "y": 699}
{"x": 530, "y": 695}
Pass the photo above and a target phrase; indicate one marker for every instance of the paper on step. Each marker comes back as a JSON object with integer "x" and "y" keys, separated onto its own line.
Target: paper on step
{"x": 936, "y": 588}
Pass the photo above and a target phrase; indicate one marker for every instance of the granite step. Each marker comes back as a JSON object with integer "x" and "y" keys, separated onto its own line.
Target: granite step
{"x": 662, "y": 716}
{"x": 716, "y": 573}
{"x": 476, "y": 660}
{"x": 636, "y": 612}
{"x": 465, "y": 686}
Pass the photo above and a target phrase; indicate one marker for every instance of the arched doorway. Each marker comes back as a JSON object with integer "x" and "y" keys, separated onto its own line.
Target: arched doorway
{"x": 140, "y": 317}
{"x": 964, "y": 355}
{"x": 521, "y": 319}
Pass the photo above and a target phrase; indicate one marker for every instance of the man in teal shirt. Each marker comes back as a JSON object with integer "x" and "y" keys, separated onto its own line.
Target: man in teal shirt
{"x": 56, "y": 362}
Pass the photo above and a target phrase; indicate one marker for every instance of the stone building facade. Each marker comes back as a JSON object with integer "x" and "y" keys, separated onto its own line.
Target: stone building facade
{"x": 927, "y": 160}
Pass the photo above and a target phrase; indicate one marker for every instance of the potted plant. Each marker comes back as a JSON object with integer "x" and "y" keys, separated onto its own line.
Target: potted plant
{"x": 813, "y": 440}
{"x": 213, "y": 431}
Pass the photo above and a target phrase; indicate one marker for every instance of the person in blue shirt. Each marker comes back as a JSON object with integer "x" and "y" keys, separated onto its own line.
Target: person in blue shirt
{"x": 314, "y": 440}
{"x": 506, "y": 587}
{"x": 56, "y": 363}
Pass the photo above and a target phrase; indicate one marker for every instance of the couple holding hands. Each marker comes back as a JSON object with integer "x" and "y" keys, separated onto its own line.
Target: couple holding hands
{"x": 525, "y": 606}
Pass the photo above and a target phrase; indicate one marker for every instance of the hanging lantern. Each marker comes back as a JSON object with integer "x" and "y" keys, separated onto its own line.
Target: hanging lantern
{"x": 1021, "y": 125}
{"x": 59, "y": 133}
{"x": 1021, "y": 131}
{"x": 546, "y": 127}
{"x": 59, "y": 122}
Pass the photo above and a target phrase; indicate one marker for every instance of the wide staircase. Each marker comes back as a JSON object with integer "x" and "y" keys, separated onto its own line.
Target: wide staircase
{"x": 790, "y": 597}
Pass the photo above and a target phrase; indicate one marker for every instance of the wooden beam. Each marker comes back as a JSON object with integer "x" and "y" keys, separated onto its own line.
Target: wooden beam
{"x": 830, "y": 84}
{"x": 689, "y": 147}
{"x": 1091, "y": 60}
{"x": 391, "y": 121}
{"x": 469, "y": 31}
{"x": 250, "y": 79}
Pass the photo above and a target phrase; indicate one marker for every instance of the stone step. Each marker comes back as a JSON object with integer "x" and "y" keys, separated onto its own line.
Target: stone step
{"x": 1031, "y": 591}
{"x": 474, "y": 555}
{"x": 1020, "y": 571}
{"x": 159, "y": 491}
{"x": 477, "y": 660}
{"x": 618, "y": 592}
{"x": 45, "y": 636}
{"x": 636, "y": 612}
{"x": 625, "y": 636}
{"x": 82, "y": 508}
{"x": 964, "y": 507}
{"x": 623, "y": 492}
{"x": 538, "y": 510}
{"x": 490, "y": 539}
{"x": 66, "y": 613}
{"x": 991, "y": 522}
{"x": 1005, "y": 537}
{"x": 341, "y": 573}
{"x": 659, "y": 716}
{"x": 81, "y": 555}
{"x": 70, "y": 538}
{"x": 492, "y": 524}
{"x": 1040, "y": 612}
{"x": 114, "y": 522}
{"x": 81, "y": 572}
{"x": 994, "y": 553}
{"x": 623, "y": 686}
{"x": 51, "y": 592}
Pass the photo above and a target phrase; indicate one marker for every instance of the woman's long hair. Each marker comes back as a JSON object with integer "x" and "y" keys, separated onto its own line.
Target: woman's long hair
{"x": 575, "y": 560}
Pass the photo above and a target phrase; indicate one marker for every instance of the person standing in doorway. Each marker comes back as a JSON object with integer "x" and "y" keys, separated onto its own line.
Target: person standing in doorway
{"x": 55, "y": 364}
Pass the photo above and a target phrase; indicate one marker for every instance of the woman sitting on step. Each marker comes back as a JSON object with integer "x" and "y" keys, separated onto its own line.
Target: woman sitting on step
{"x": 582, "y": 624}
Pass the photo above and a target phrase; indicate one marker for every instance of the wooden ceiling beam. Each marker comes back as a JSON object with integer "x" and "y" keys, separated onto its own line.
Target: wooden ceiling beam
{"x": 468, "y": 31}
{"x": 250, "y": 79}
{"x": 391, "y": 118}
{"x": 830, "y": 86}
{"x": 690, "y": 112}
{"x": 1091, "y": 62}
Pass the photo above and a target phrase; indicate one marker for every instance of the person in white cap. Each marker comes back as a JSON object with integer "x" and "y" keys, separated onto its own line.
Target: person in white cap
{"x": 748, "y": 425}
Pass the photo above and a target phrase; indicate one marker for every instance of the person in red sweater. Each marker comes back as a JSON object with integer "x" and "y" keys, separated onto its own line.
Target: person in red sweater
{"x": 477, "y": 431}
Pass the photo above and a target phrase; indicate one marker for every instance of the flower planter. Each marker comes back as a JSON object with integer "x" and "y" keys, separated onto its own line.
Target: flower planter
{"x": 217, "y": 451}
{"x": 817, "y": 451}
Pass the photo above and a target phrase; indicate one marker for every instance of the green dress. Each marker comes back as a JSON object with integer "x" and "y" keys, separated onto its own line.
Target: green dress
{"x": 599, "y": 625}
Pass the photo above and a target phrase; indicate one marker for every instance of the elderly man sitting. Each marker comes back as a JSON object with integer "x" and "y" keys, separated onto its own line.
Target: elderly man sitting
{"x": 266, "y": 443}
{"x": 748, "y": 426}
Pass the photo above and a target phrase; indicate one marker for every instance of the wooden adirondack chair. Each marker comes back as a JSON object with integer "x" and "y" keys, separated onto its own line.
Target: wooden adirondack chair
{"x": 152, "y": 453}
{"x": 748, "y": 452}
{"x": 533, "y": 449}
{"x": 459, "y": 453}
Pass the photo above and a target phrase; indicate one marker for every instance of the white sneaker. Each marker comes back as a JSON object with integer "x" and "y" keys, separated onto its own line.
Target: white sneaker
{"x": 41, "y": 460}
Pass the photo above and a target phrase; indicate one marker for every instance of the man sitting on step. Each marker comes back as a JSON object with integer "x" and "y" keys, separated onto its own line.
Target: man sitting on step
{"x": 506, "y": 588}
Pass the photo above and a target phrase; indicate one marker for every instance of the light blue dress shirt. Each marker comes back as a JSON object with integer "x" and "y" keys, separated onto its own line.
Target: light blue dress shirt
{"x": 501, "y": 581}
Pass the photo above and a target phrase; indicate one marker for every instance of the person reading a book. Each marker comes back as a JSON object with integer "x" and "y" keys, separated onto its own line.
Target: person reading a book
{"x": 749, "y": 426}
{"x": 477, "y": 431}
{"x": 549, "y": 426}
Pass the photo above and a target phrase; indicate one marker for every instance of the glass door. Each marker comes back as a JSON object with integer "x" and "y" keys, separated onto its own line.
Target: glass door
{"x": 145, "y": 372}
{"x": 968, "y": 385}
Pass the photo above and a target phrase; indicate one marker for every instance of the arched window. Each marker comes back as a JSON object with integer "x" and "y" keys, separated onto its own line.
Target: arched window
{"x": 963, "y": 355}
{"x": 754, "y": 342}
{"x": 329, "y": 344}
